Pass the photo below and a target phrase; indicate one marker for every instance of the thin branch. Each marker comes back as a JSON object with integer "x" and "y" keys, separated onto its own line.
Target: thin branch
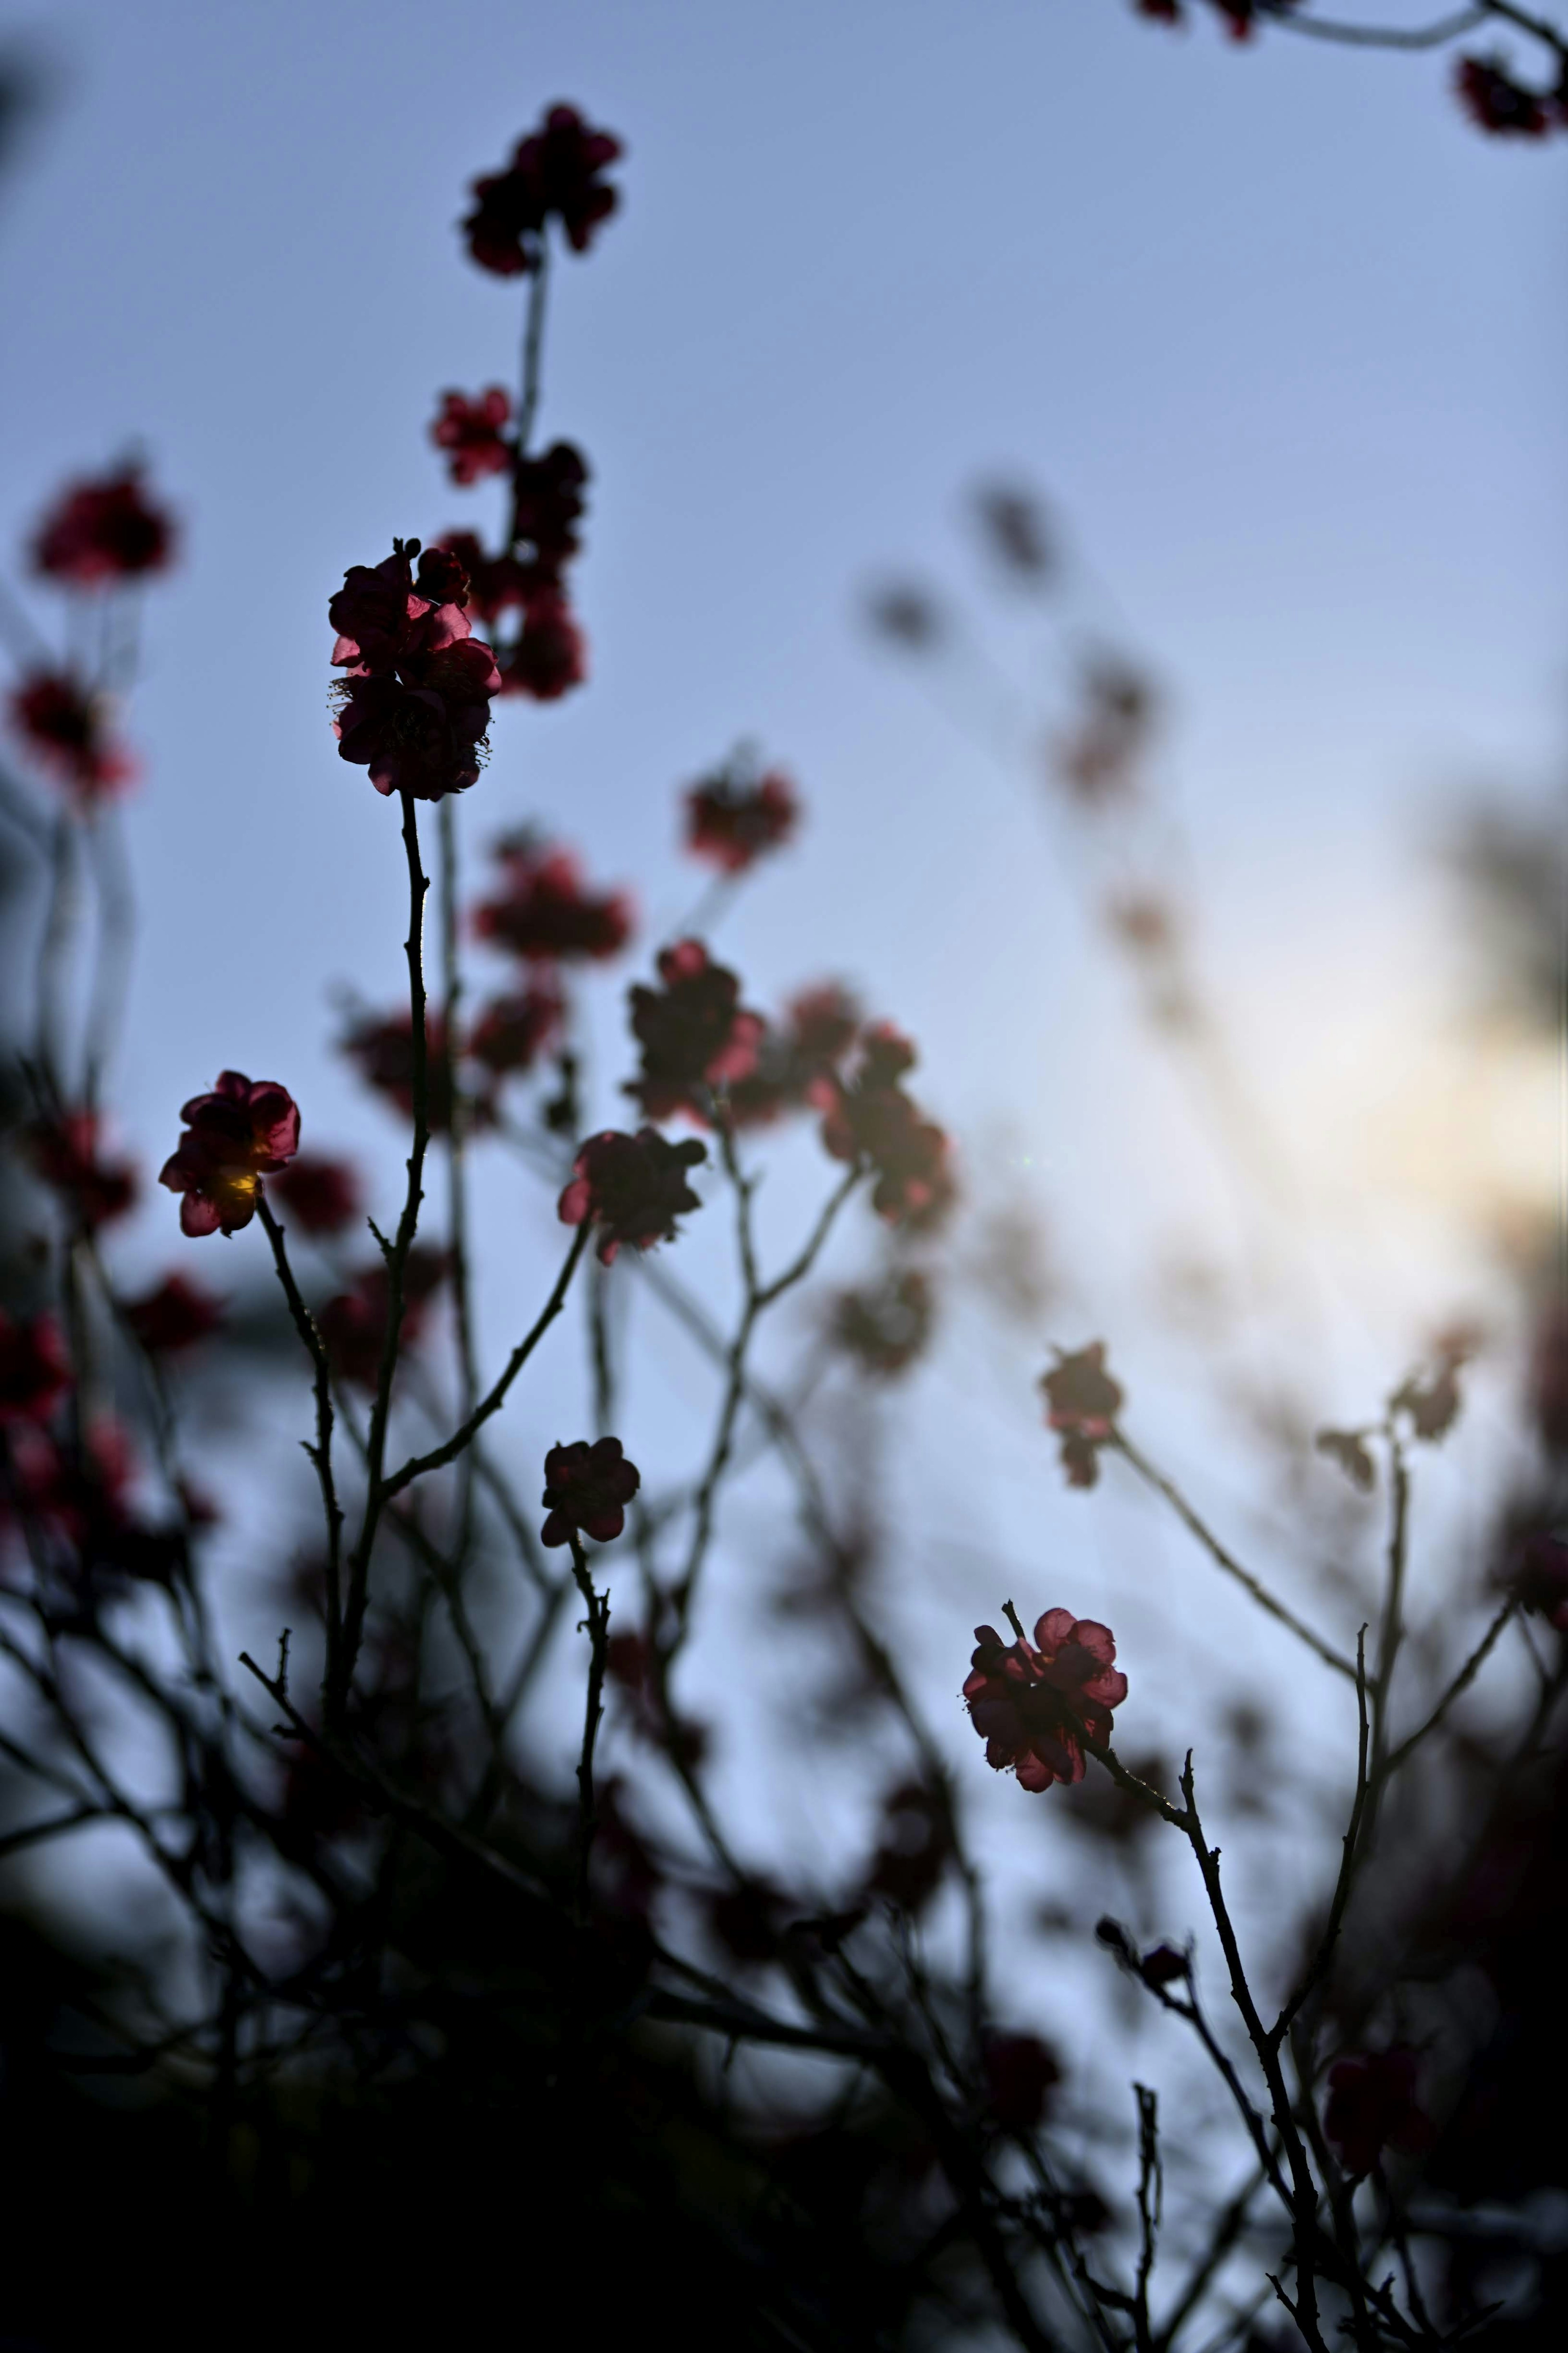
{"x": 1461, "y": 1683}
{"x": 1375, "y": 36}
{"x": 1349, "y": 1857}
{"x": 598, "y": 1623}
{"x": 321, "y": 1453}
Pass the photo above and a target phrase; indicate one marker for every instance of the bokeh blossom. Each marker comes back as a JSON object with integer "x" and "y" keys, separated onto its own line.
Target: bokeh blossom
{"x": 513, "y": 1031}
{"x": 103, "y": 532}
{"x": 94, "y": 1188}
{"x": 542, "y": 912}
{"x": 1033, "y": 1704}
{"x": 732, "y": 822}
{"x": 244, "y": 1130}
{"x": 554, "y": 174}
{"x": 868, "y": 1116}
{"x": 67, "y": 730}
{"x": 471, "y": 432}
{"x": 323, "y": 1195}
{"x": 695, "y": 1034}
{"x": 633, "y": 1188}
{"x": 1081, "y": 1405}
{"x": 173, "y": 1316}
{"x": 35, "y": 1371}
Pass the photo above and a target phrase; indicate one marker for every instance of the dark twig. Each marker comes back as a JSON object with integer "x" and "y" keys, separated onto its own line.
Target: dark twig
{"x": 597, "y": 1624}
{"x": 321, "y": 1453}
{"x": 1348, "y": 1858}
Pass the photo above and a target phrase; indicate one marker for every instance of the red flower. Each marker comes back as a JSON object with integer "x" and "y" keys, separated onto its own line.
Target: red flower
{"x": 1032, "y": 1705}
{"x": 633, "y": 1188}
{"x": 552, "y": 655}
{"x": 35, "y": 1371}
{"x": 382, "y": 1046}
{"x": 321, "y": 1194}
{"x": 870, "y": 1117}
{"x": 67, "y": 731}
{"x": 587, "y": 1487}
{"x": 64, "y": 1151}
{"x": 1082, "y": 1404}
{"x": 555, "y": 171}
{"x": 103, "y": 532}
{"x": 1496, "y": 102}
{"x": 695, "y": 1035}
{"x": 1540, "y": 1579}
{"x": 470, "y": 433}
{"x": 1021, "y": 2072}
{"x": 240, "y": 1132}
{"x": 354, "y": 1324}
{"x": 733, "y": 823}
{"x": 514, "y": 1031}
{"x": 544, "y": 913}
{"x": 547, "y": 493}
{"x": 174, "y": 1316}
{"x": 415, "y": 704}
{"x": 1370, "y": 2103}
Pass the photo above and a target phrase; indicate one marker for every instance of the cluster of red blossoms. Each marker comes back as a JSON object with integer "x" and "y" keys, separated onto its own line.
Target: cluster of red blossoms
{"x": 633, "y": 1188}
{"x": 416, "y": 698}
{"x": 733, "y": 819}
{"x": 244, "y": 1130}
{"x": 1081, "y": 1405}
{"x": 67, "y": 731}
{"x": 1034, "y": 1704}
{"x": 102, "y": 533}
{"x": 695, "y": 1034}
{"x": 867, "y": 1116}
{"x": 554, "y": 174}
{"x": 587, "y": 1489}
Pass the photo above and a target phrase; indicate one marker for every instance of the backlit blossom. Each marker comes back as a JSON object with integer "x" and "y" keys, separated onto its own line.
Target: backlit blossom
{"x": 35, "y": 1371}
{"x": 732, "y": 822}
{"x": 94, "y": 1187}
{"x": 174, "y": 1316}
{"x": 470, "y": 432}
{"x": 244, "y": 1130}
{"x": 542, "y": 912}
{"x": 587, "y": 1488}
{"x": 869, "y": 1117}
{"x": 1033, "y": 1704}
{"x": 416, "y": 704}
{"x": 318, "y": 1193}
{"x": 67, "y": 730}
{"x": 1081, "y": 1405}
{"x": 633, "y": 1188}
{"x": 1372, "y": 2105}
{"x": 513, "y": 1031}
{"x": 103, "y": 532}
{"x": 554, "y": 173}
{"x": 694, "y": 1033}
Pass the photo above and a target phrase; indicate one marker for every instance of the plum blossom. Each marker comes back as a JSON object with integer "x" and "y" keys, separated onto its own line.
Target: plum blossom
{"x": 587, "y": 1488}
{"x": 415, "y": 704}
{"x": 103, "y": 532}
{"x": 1081, "y": 1405}
{"x": 554, "y": 174}
{"x": 1034, "y": 1704}
{"x": 542, "y": 912}
{"x": 470, "y": 432}
{"x": 67, "y": 730}
{"x": 322, "y": 1194}
{"x": 731, "y": 821}
{"x": 869, "y": 1117}
{"x": 633, "y": 1188}
{"x": 694, "y": 1033}
{"x": 244, "y": 1130}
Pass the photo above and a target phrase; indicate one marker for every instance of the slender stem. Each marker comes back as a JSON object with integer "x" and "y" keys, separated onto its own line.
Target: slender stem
{"x": 1227, "y": 1560}
{"x": 54, "y": 949}
{"x": 533, "y": 355}
{"x": 1348, "y": 1858}
{"x": 321, "y": 1453}
{"x": 1376, "y": 37}
{"x": 458, "y": 1271}
{"x": 598, "y": 1623}
{"x": 1461, "y": 1683}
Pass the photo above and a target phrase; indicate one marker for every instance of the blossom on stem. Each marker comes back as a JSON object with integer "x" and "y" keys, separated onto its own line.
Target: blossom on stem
{"x": 542, "y": 912}
{"x": 95, "y": 1189}
{"x": 587, "y": 1488}
{"x": 868, "y": 1116}
{"x": 322, "y": 1194}
{"x": 547, "y": 506}
{"x": 244, "y": 1130}
{"x": 470, "y": 433}
{"x": 35, "y": 1371}
{"x": 633, "y": 1188}
{"x": 1033, "y": 1704}
{"x": 1081, "y": 1405}
{"x": 732, "y": 822}
{"x": 173, "y": 1316}
{"x": 102, "y": 532}
{"x": 67, "y": 730}
{"x": 513, "y": 1031}
{"x": 1372, "y": 2105}
{"x": 694, "y": 1033}
{"x": 553, "y": 174}
{"x": 415, "y": 704}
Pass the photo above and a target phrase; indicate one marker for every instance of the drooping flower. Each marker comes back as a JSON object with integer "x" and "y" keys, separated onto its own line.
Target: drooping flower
{"x": 694, "y": 1033}
{"x": 542, "y": 912}
{"x": 633, "y": 1188}
{"x": 551, "y": 657}
{"x": 174, "y": 1316}
{"x": 553, "y": 173}
{"x": 470, "y": 432}
{"x": 35, "y": 1371}
{"x": 1372, "y": 2105}
{"x": 732, "y": 821}
{"x": 513, "y": 1031}
{"x": 354, "y": 1324}
{"x": 1081, "y": 1405}
{"x": 415, "y": 703}
{"x": 67, "y": 730}
{"x": 1033, "y": 1704}
{"x": 869, "y": 1117}
{"x": 94, "y": 1188}
{"x": 1496, "y": 102}
{"x": 587, "y": 1488}
{"x": 102, "y": 532}
{"x": 244, "y": 1130}
{"x": 322, "y": 1194}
